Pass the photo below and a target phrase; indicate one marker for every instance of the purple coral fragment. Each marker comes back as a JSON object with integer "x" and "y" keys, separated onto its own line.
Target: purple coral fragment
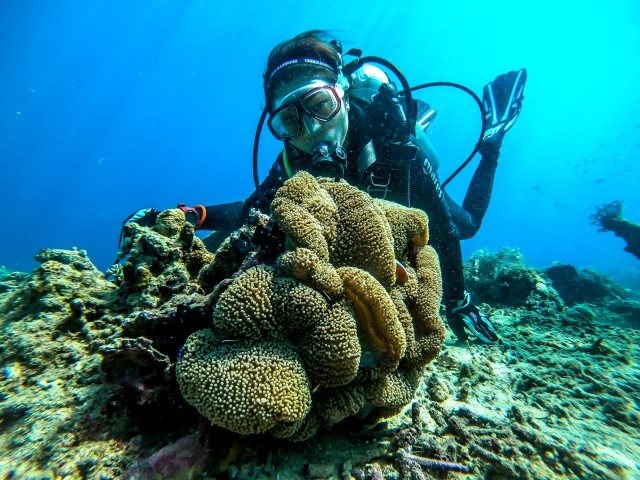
{"x": 185, "y": 456}
{"x": 181, "y": 459}
{"x": 432, "y": 463}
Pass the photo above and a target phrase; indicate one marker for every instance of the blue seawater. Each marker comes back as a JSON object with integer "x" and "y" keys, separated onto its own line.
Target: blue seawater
{"x": 110, "y": 107}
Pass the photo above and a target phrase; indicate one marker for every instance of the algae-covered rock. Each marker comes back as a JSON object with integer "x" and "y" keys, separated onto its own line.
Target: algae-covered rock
{"x": 84, "y": 364}
{"x": 161, "y": 261}
{"x": 52, "y": 389}
{"x": 503, "y": 278}
{"x": 584, "y": 285}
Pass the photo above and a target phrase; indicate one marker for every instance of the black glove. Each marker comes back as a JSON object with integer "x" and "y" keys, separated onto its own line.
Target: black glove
{"x": 502, "y": 99}
{"x": 491, "y": 143}
{"x": 145, "y": 217}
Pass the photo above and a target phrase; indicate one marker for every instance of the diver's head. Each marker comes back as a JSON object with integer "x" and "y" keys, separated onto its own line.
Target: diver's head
{"x": 305, "y": 93}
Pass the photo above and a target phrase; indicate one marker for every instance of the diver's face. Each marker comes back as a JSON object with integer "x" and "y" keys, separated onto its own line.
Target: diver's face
{"x": 314, "y": 131}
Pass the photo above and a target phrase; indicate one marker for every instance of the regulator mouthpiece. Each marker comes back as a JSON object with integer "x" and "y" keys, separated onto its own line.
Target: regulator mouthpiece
{"x": 325, "y": 164}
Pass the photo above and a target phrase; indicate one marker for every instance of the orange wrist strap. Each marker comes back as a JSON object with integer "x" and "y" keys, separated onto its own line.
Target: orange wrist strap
{"x": 203, "y": 216}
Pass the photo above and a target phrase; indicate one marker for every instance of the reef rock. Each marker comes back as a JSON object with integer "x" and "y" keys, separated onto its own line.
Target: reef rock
{"x": 88, "y": 358}
{"x": 503, "y": 278}
{"x": 88, "y": 385}
{"x": 160, "y": 261}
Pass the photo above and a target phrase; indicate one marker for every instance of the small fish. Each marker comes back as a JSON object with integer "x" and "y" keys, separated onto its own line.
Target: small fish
{"x": 401, "y": 273}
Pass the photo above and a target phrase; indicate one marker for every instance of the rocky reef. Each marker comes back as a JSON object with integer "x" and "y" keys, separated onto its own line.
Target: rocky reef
{"x": 319, "y": 324}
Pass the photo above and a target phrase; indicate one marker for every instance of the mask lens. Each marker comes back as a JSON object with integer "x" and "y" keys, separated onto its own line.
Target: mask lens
{"x": 285, "y": 123}
{"x": 321, "y": 104}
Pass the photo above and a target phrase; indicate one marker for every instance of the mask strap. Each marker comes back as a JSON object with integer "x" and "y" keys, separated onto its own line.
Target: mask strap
{"x": 343, "y": 81}
{"x": 295, "y": 61}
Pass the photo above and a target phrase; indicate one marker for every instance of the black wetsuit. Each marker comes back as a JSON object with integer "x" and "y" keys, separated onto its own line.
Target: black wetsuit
{"x": 412, "y": 182}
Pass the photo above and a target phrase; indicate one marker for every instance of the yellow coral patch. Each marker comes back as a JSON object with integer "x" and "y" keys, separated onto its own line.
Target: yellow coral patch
{"x": 246, "y": 387}
{"x": 336, "y": 333}
{"x": 356, "y": 300}
{"x": 409, "y": 226}
{"x": 364, "y": 236}
{"x": 376, "y": 316}
{"x": 306, "y": 213}
{"x": 304, "y": 265}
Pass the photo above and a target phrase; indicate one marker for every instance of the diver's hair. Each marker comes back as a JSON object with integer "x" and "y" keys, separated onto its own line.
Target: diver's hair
{"x": 314, "y": 45}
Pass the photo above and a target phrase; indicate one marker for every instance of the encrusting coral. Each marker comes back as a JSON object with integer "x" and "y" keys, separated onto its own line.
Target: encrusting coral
{"x": 330, "y": 329}
{"x": 161, "y": 261}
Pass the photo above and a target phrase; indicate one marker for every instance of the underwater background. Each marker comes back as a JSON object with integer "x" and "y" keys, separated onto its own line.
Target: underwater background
{"x": 107, "y": 108}
{"x": 110, "y": 107}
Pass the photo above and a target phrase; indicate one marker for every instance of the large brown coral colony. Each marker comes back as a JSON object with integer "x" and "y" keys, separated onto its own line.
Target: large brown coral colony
{"x": 330, "y": 331}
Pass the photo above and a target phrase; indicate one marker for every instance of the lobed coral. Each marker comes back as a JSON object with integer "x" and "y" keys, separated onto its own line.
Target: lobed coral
{"x": 246, "y": 387}
{"x": 305, "y": 211}
{"x": 330, "y": 331}
{"x": 364, "y": 239}
{"x": 377, "y": 318}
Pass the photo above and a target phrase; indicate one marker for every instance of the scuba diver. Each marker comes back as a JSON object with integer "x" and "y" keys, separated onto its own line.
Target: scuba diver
{"x": 349, "y": 121}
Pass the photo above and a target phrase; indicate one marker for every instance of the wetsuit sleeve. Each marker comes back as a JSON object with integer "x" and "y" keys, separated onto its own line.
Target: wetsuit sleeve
{"x": 222, "y": 217}
{"x": 469, "y": 216}
{"x": 231, "y": 216}
{"x": 476, "y": 201}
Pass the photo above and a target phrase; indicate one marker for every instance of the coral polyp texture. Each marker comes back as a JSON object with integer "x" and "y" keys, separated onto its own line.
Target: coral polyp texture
{"x": 331, "y": 330}
{"x": 247, "y": 386}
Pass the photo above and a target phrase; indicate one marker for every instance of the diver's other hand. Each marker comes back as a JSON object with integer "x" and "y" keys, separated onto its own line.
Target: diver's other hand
{"x": 145, "y": 217}
{"x": 194, "y": 215}
{"x": 491, "y": 142}
{"x": 463, "y": 314}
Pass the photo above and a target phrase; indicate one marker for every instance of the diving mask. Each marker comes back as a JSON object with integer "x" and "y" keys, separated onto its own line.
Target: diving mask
{"x": 321, "y": 102}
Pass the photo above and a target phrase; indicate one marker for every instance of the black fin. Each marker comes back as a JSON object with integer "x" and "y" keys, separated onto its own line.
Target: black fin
{"x": 503, "y": 97}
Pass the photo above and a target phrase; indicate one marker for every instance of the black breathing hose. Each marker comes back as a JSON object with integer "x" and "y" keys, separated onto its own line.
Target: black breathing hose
{"x": 482, "y": 114}
{"x": 256, "y": 144}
